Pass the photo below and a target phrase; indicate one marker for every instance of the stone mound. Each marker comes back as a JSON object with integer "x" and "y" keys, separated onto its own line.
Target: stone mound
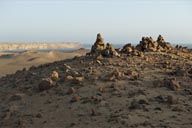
{"x": 147, "y": 44}
{"x": 99, "y": 48}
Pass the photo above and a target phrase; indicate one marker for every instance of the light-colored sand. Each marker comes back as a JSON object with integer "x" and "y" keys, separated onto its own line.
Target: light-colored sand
{"x": 11, "y": 62}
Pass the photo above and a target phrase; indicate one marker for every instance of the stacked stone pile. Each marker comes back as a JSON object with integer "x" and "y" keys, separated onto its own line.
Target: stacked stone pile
{"x": 147, "y": 44}
{"x": 99, "y": 48}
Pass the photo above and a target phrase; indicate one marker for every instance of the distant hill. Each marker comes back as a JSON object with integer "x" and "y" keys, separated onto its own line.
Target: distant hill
{"x": 37, "y": 46}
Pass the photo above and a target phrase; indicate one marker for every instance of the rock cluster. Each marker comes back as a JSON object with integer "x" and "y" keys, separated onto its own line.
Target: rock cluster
{"x": 147, "y": 44}
{"x": 109, "y": 51}
{"x": 99, "y": 48}
{"x": 49, "y": 82}
{"x": 128, "y": 49}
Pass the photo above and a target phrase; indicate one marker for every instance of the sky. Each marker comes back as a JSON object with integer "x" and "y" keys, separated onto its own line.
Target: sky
{"x": 119, "y": 21}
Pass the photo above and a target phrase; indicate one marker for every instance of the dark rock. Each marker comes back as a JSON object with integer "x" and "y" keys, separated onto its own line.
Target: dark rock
{"x": 75, "y": 98}
{"x": 172, "y": 84}
{"x": 45, "y": 84}
{"x": 71, "y": 90}
{"x": 109, "y": 51}
{"x": 172, "y": 100}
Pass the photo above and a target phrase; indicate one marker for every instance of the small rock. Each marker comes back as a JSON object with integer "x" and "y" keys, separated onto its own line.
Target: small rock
{"x": 71, "y": 90}
{"x": 99, "y": 62}
{"x": 76, "y": 98}
{"x": 139, "y": 103}
{"x": 68, "y": 78}
{"x": 54, "y": 76}
{"x": 172, "y": 84}
{"x": 132, "y": 73}
{"x": 172, "y": 100}
{"x": 103, "y": 103}
{"x": 17, "y": 96}
{"x": 140, "y": 54}
{"x": 93, "y": 112}
{"x": 39, "y": 115}
{"x": 190, "y": 71}
{"x": 79, "y": 80}
{"x": 112, "y": 78}
{"x": 66, "y": 66}
{"x": 118, "y": 74}
{"x": 45, "y": 84}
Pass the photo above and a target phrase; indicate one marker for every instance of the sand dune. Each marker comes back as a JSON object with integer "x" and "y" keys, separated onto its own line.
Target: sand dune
{"x": 11, "y": 62}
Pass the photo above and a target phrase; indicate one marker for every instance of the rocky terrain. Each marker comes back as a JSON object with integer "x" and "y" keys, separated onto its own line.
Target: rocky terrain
{"x": 144, "y": 86}
{"x": 36, "y": 46}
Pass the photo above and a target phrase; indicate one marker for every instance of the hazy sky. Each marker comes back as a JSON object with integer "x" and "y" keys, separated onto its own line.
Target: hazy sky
{"x": 119, "y": 21}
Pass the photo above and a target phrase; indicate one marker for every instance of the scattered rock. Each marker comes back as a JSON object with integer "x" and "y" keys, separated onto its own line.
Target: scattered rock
{"x": 93, "y": 112}
{"x": 139, "y": 103}
{"x": 79, "y": 80}
{"x": 54, "y": 76}
{"x": 39, "y": 115}
{"x": 16, "y": 97}
{"x": 75, "y": 98}
{"x": 68, "y": 78}
{"x": 118, "y": 74}
{"x": 71, "y": 90}
{"x": 172, "y": 84}
{"x": 99, "y": 62}
{"x": 132, "y": 74}
{"x": 190, "y": 71}
{"x": 172, "y": 100}
{"x": 45, "y": 84}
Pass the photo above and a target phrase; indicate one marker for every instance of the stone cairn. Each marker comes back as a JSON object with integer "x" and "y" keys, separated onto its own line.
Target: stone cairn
{"x": 147, "y": 44}
{"x": 130, "y": 50}
{"x": 164, "y": 45}
{"x": 109, "y": 51}
{"x": 99, "y": 48}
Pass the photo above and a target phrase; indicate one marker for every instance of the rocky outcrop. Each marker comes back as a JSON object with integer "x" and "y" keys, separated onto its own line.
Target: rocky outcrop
{"x": 37, "y": 46}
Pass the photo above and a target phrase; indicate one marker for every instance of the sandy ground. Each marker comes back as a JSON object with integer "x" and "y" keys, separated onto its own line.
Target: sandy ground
{"x": 153, "y": 91}
{"x": 11, "y": 62}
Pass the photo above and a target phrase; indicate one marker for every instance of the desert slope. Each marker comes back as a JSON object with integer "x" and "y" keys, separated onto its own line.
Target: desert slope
{"x": 11, "y": 62}
{"x": 150, "y": 91}
{"x": 147, "y": 86}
